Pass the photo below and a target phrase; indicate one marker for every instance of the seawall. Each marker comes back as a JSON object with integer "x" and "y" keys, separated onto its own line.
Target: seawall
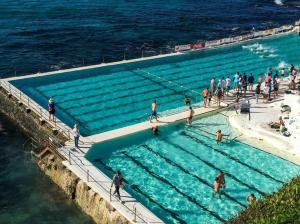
{"x": 50, "y": 162}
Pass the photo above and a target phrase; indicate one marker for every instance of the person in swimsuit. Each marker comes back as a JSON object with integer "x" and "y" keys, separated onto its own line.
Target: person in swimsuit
{"x": 282, "y": 73}
{"x": 155, "y": 130}
{"x": 205, "y": 95}
{"x": 219, "y": 96}
{"x": 219, "y": 136}
{"x": 221, "y": 177}
{"x": 187, "y": 101}
{"x": 153, "y": 112}
{"x": 217, "y": 187}
{"x": 51, "y": 110}
{"x": 212, "y": 85}
{"x": 190, "y": 117}
{"x": 251, "y": 199}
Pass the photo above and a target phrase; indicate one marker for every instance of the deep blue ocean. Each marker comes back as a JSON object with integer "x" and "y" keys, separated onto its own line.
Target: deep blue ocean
{"x": 42, "y": 35}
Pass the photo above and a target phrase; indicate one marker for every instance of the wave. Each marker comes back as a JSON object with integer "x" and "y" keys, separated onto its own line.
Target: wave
{"x": 278, "y": 2}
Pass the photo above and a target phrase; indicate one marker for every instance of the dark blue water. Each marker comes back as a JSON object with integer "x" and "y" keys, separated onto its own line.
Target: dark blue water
{"x": 42, "y": 35}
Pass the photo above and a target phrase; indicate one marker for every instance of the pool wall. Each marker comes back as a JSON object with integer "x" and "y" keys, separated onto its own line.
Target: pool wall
{"x": 27, "y": 116}
{"x": 51, "y": 161}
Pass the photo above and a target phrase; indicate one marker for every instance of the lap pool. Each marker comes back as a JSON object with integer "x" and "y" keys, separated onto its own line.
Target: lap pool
{"x": 105, "y": 98}
{"x": 173, "y": 173}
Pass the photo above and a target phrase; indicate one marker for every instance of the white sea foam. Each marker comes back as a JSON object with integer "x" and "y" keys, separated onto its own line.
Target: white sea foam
{"x": 282, "y": 64}
{"x": 261, "y": 50}
{"x": 278, "y": 2}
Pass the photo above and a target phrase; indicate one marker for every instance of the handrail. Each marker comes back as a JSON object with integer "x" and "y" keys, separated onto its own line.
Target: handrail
{"x": 57, "y": 146}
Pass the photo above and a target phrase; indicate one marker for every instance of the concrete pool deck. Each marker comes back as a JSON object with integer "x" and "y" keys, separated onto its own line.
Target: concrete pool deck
{"x": 258, "y": 133}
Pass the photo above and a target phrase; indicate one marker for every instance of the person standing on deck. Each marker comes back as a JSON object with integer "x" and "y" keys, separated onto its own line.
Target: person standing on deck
{"x": 219, "y": 96}
{"x": 251, "y": 81}
{"x": 228, "y": 85}
{"x": 51, "y": 109}
{"x": 153, "y": 112}
{"x": 236, "y": 81}
{"x": 118, "y": 182}
{"x": 212, "y": 85}
{"x": 257, "y": 92}
{"x": 190, "y": 117}
{"x": 76, "y": 135}
{"x": 205, "y": 95}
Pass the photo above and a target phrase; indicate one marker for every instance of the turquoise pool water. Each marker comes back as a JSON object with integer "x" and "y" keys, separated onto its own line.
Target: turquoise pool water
{"x": 173, "y": 174}
{"x": 102, "y": 99}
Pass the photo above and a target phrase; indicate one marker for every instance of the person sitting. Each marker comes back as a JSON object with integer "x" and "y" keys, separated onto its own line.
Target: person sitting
{"x": 251, "y": 199}
{"x": 277, "y": 124}
{"x": 292, "y": 85}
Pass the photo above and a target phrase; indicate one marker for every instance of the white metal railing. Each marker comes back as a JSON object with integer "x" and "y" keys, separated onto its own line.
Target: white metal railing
{"x": 36, "y": 108}
{"x": 70, "y": 156}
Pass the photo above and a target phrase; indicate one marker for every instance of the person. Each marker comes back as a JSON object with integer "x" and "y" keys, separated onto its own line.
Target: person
{"x": 187, "y": 101}
{"x": 251, "y": 198}
{"x": 219, "y": 136}
{"x": 282, "y": 73}
{"x": 270, "y": 90}
{"x": 155, "y": 130}
{"x": 209, "y": 97}
{"x": 212, "y": 85}
{"x": 266, "y": 93}
{"x": 228, "y": 85}
{"x": 221, "y": 177}
{"x": 153, "y": 113}
{"x": 292, "y": 84}
{"x": 219, "y": 96}
{"x": 244, "y": 84}
{"x": 118, "y": 182}
{"x": 76, "y": 135}
{"x": 236, "y": 81}
{"x": 51, "y": 109}
{"x": 217, "y": 186}
{"x": 251, "y": 82}
{"x": 259, "y": 81}
{"x": 205, "y": 95}
{"x": 223, "y": 85}
{"x": 257, "y": 92}
{"x": 275, "y": 88}
{"x": 237, "y": 99}
{"x": 190, "y": 117}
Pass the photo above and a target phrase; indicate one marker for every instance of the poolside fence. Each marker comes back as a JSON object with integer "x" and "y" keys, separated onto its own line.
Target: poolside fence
{"x": 238, "y": 39}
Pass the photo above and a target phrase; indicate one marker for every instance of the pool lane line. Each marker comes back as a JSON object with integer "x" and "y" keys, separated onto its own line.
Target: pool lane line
{"x": 231, "y": 157}
{"x": 127, "y": 112}
{"x": 172, "y": 163}
{"x": 103, "y": 101}
{"x": 213, "y": 166}
{"x": 95, "y": 80}
{"x": 191, "y": 199}
{"x": 107, "y": 92}
{"x": 121, "y": 84}
{"x": 136, "y": 188}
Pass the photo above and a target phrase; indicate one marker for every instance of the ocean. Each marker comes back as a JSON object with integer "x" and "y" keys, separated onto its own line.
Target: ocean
{"x": 41, "y": 35}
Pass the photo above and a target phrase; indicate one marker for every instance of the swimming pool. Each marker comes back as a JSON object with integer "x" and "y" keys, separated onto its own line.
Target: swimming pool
{"x": 105, "y": 98}
{"x": 173, "y": 174}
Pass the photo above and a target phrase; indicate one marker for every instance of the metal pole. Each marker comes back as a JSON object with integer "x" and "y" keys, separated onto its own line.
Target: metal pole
{"x": 41, "y": 114}
{"x": 70, "y": 158}
{"x": 110, "y": 194}
{"x": 134, "y": 219}
{"x": 142, "y": 53}
{"x": 28, "y": 102}
{"x": 88, "y": 175}
{"x": 20, "y": 96}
